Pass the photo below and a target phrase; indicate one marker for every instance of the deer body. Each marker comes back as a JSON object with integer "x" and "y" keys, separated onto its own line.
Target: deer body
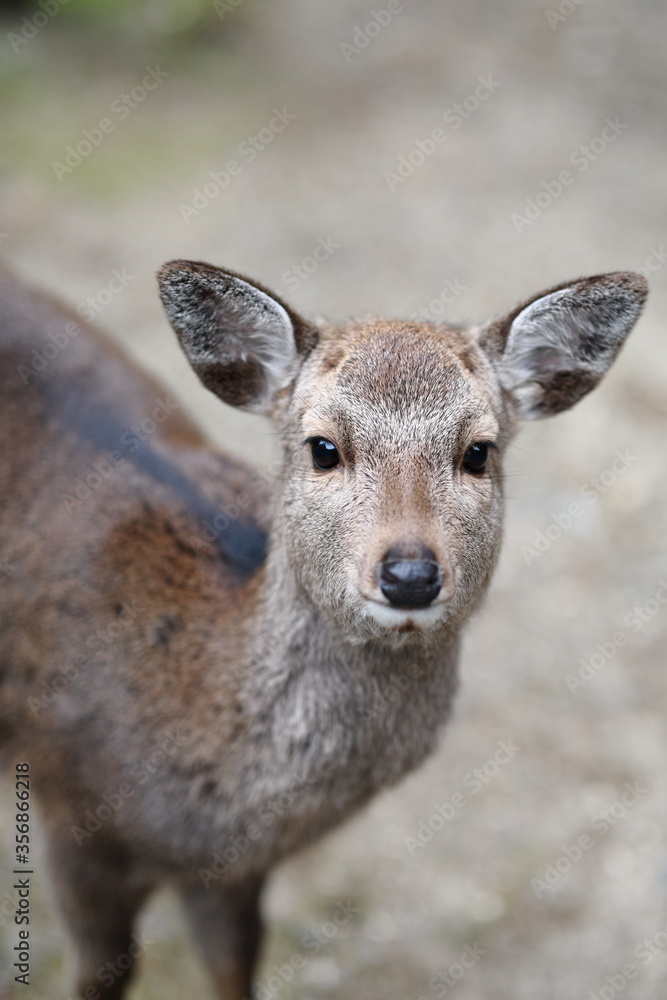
{"x": 195, "y": 704}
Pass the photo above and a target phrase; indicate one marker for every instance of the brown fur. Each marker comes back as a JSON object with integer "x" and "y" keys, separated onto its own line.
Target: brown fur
{"x": 142, "y": 621}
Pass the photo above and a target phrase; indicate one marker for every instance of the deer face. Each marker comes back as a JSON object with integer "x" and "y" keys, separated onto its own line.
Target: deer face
{"x": 393, "y": 500}
{"x": 393, "y": 433}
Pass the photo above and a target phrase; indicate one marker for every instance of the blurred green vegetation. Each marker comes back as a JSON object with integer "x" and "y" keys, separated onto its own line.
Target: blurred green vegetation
{"x": 61, "y": 78}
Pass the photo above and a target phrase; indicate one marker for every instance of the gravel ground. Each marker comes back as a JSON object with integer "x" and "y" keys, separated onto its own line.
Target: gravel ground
{"x": 499, "y": 881}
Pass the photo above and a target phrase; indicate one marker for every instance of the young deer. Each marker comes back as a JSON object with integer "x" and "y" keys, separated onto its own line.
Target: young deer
{"x": 195, "y": 702}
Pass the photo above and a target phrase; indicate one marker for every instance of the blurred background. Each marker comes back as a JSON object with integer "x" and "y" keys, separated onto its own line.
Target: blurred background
{"x": 294, "y": 141}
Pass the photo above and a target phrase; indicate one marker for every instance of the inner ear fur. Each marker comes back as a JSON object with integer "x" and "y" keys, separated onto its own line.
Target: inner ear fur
{"x": 552, "y": 349}
{"x": 242, "y": 340}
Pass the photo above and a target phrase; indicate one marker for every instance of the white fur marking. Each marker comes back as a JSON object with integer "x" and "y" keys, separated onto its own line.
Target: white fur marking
{"x": 388, "y": 617}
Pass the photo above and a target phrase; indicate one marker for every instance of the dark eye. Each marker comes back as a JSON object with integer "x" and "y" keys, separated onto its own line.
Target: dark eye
{"x": 325, "y": 454}
{"x": 476, "y": 457}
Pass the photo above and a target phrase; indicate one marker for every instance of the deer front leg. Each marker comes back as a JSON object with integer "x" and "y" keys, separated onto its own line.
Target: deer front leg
{"x": 100, "y": 897}
{"x": 227, "y": 926}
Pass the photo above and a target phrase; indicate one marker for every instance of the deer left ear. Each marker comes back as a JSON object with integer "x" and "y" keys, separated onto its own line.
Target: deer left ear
{"x": 557, "y": 347}
{"x": 244, "y": 343}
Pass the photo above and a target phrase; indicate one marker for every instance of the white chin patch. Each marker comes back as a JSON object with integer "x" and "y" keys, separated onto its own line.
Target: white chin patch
{"x": 397, "y": 618}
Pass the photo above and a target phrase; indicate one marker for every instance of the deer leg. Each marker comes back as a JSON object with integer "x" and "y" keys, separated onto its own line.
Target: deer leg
{"x": 227, "y": 925}
{"x": 100, "y": 898}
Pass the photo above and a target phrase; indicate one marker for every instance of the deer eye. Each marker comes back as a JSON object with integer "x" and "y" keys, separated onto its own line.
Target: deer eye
{"x": 476, "y": 457}
{"x": 325, "y": 454}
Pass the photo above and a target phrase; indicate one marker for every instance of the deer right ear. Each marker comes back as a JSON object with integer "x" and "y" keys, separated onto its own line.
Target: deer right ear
{"x": 242, "y": 341}
{"x": 555, "y": 348}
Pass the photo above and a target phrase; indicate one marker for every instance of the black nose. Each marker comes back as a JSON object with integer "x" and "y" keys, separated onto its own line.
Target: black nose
{"x": 410, "y": 583}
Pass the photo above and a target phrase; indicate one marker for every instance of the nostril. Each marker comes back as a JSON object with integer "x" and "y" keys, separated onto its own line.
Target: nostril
{"x": 410, "y": 583}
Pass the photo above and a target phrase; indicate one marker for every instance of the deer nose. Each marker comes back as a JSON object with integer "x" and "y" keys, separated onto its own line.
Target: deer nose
{"x": 410, "y": 583}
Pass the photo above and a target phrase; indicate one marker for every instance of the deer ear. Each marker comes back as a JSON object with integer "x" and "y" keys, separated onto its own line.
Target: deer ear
{"x": 557, "y": 347}
{"x": 242, "y": 341}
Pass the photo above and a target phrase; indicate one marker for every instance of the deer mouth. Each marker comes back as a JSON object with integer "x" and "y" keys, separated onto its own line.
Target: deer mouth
{"x": 404, "y": 619}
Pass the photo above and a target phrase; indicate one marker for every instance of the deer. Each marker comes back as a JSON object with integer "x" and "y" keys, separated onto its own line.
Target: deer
{"x": 204, "y": 667}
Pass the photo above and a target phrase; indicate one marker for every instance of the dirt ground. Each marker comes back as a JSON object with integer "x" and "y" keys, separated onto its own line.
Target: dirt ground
{"x": 496, "y": 904}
